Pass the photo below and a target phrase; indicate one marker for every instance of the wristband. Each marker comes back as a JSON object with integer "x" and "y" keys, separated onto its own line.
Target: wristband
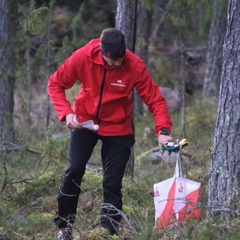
{"x": 163, "y": 131}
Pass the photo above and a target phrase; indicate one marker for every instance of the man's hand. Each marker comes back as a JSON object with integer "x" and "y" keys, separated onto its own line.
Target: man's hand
{"x": 70, "y": 123}
{"x": 162, "y": 140}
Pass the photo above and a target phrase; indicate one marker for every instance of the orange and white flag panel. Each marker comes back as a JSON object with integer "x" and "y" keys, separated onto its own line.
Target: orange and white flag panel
{"x": 175, "y": 199}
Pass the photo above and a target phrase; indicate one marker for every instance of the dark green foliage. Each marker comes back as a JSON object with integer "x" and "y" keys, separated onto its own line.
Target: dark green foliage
{"x": 32, "y": 171}
{"x": 30, "y": 24}
{"x": 181, "y": 16}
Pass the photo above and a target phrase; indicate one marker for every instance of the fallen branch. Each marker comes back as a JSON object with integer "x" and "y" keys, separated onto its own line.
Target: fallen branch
{"x": 15, "y": 147}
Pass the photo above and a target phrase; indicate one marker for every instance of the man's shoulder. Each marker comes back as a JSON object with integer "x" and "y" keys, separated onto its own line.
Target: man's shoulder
{"x": 134, "y": 60}
{"x": 132, "y": 56}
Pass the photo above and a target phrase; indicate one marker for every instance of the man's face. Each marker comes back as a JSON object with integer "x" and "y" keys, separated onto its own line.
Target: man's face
{"x": 113, "y": 63}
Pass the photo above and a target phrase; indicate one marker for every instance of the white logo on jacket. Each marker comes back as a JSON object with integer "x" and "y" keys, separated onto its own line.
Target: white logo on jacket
{"x": 118, "y": 83}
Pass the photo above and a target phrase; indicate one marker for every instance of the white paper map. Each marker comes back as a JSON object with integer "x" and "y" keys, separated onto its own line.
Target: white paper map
{"x": 88, "y": 124}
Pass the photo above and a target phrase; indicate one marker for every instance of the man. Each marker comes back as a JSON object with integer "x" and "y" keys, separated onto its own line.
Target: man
{"x": 108, "y": 73}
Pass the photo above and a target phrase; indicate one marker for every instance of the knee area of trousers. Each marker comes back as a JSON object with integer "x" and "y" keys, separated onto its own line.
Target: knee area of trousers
{"x": 112, "y": 188}
{"x": 75, "y": 171}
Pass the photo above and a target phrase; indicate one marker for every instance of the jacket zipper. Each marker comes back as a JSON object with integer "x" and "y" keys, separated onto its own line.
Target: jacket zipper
{"x": 101, "y": 94}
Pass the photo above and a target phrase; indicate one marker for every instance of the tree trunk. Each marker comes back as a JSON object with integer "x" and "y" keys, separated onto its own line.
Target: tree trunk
{"x": 224, "y": 182}
{"x": 6, "y": 73}
{"x": 126, "y": 22}
{"x": 214, "y": 54}
{"x": 144, "y": 21}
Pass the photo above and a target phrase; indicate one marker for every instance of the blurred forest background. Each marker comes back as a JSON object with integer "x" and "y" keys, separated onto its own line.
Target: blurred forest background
{"x": 181, "y": 43}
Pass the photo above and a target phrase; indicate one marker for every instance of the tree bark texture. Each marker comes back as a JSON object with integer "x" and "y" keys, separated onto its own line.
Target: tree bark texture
{"x": 214, "y": 53}
{"x": 144, "y": 21}
{"x": 126, "y": 22}
{"x": 6, "y": 73}
{"x": 224, "y": 181}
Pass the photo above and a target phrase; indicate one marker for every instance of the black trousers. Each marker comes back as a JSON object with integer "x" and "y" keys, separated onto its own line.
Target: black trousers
{"x": 115, "y": 153}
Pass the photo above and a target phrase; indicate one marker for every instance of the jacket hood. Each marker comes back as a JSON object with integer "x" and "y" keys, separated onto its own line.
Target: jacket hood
{"x": 92, "y": 50}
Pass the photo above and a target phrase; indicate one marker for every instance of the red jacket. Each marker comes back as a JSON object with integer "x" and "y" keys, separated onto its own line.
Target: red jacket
{"x": 105, "y": 94}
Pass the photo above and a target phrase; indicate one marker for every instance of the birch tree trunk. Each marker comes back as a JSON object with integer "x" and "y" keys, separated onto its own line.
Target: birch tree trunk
{"x": 224, "y": 181}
